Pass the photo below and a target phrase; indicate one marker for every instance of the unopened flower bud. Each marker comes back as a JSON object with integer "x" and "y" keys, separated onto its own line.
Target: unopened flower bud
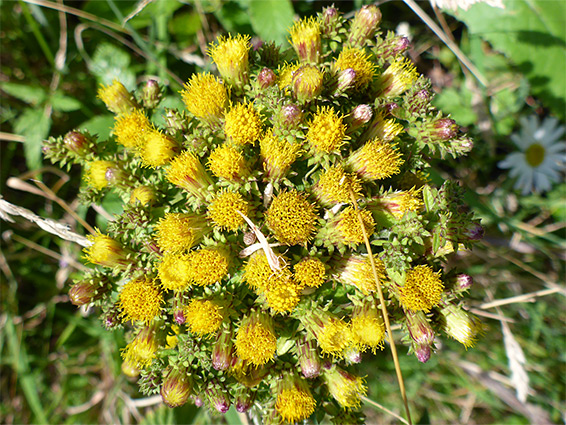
{"x": 244, "y": 399}
{"x": 461, "y": 325}
{"x": 174, "y": 120}
{"x": 197, "y": 400}
{"x": 117, "y": 98}
{"x": 223, "y": 350}
{"x": 391, "y": 47}
{"x": 111, "y": 318}
{"x": 474, "y": 232}
{"x": 330, "y": 18}
{"x": 176, "y": 387}
{"x": 443, "y": 129}
{"x": 78, "y": 142}
{"x": 309, "y": 359}
{"x": 346, "y": 79}
{"x": 346, "y": 388}
{"x": 352, "y": 355}
{"x": 106, "y": 251}
{"x": 114, "y": 176}
{"x": 151, "y": 94}
{"x": 217, "y": 396}
{"x": 307, "y": 83}
{"x": 291, "y": 115}
{"x": 89, "y": 290}
{"x": 463, "y": 282}
{"x": 143, "y": 195}
{"x": 364, "y": 25}
{"x": 266, "y": 78}
{"x": 422, "y": 334}
{"x": 359, "y": 116}
{"x": 179, "y": 317}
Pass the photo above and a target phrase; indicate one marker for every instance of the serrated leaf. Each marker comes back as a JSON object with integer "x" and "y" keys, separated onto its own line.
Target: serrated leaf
{"x": 34, "y": 125}
{"x": 271, "y": 19}
{"x": 63, "y": 103}
{"x": 28, "y": 94}
{"x": 532, "y": 33}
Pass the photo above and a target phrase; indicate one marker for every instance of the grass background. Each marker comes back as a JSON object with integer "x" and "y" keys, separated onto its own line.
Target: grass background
{"x": 58, "y": 365}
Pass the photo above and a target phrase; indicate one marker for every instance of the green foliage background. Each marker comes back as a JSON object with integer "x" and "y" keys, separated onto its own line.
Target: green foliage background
{"x": 58, "y": 365}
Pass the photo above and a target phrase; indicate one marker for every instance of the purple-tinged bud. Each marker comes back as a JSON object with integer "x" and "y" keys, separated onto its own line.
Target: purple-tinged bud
{"x": 444, "y": 129}
{"x": 330, "y": 19}
{"x": 463, "y": 282}
{"x": 223, "y": 350}
{"x": 266, "y": 78}
{"x": 364, "y": 25}
{"x": 176, "y": 387}
{"x": 307, "y": 83}
{"x": 179, "y": 316}
{"x": 352, "y": 355}
{"x": 197, "y": 400}
{"x": 151, "y": 94}
{"x": 422, "y": 334}
{"x": 114, "y": 176}
{"x": 360, "y": 115}
{"x": 309, "y": 359}
{"x": 474, "y": 232}
{"x": 346, "y": 79}
{"x": 217, "y": 396}
{"x": 291, "y": 115}
{"x": 465, "y": 145}
{"x": 111, "y": 318}
{"x": 89, "y": 290}
{"x": 244, "y": 399}
{"x": 45, "y": 149}
{"x": 391, "y": 107}
{"x": 77, "y": 142}
{"x": 391, "y": 47}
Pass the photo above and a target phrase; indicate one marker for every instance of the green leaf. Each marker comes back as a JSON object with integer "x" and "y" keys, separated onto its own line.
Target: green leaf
{"x": 111, "y": 63}
{"x": 271, "y": 19}
{"x": 28, "y": 94}
{"x": 34, "y": 125}
{"x": 63, "y": 103}
{"x": 99, "y": 125}
{"x": 532, "y": 34}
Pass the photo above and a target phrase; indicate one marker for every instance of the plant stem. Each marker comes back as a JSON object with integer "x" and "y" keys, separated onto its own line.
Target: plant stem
{"x": 383, "y": 311}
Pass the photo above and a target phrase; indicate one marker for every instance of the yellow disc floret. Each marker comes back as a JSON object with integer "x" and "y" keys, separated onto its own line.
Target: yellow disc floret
{"x": 282, "y": 292}
{"x": 292, "y": 218}
{"x": 347, "y": 226}
{"x": 95, "y": 175}
{"x": 143, "y": 195}
{"x": 205, "y": 97}
{"x": 227, "y": 162}
{"x": 295, "y": 403}
{"x": 422, "y": 290}
{"x": 358, "y": 272}
{"x": 334, "y": 186}
{"x": 360, "y": 62}
{"x": 286, "y": 73}
{"x": 368, "y": 331}
{"x": 179, "y": 232}
{"x": 173, "y": 272}
{"x": 243, "y": 124}
{"x": 231, "y": 57}
{"x": 140, "y": 300}
{"x": 223, "y": 210}
{"x": 334, "y": 337}
{"x": 397, "y": 78}
{"x": 255, "y": 340}
{"x": 310, "y": 272}
{"x": 305, "y": 39}
{"x": 131, "y": 128}
{"x": 105, "y": 251}
{"x": 347, "y": 389}
{"x": 327, "y": 132}
{"x": 187, "y": 172}
{"x": 141, "y": 351}
{"x": 257, "y": 271}
{"x": 117, "y": 98}
{"x": 157, "y": 149}
{"x": 203, "y": 316}
{"x": 376, "y": 160}
{"x": 207, "y": 266}
{"x": 277, "y": 154}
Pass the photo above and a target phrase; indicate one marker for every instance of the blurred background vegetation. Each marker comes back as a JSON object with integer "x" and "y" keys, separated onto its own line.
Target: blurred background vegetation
{"x": 58, "y": 364}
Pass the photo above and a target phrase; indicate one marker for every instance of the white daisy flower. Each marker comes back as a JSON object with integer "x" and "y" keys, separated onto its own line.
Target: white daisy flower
{"x": 541, "y": 160}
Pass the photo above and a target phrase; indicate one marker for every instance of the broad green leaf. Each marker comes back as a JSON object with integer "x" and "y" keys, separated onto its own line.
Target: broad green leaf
{"x": 232, "y": 16}
{"x": 60, "y": 102}
{"x": 457, "y": 104}
{"x": 34, "y": 125}
{"x": 271, "y": 19}
{"x": 111, "y": 63}
{"x": 28, "y": 94}
{"x": 185, "y": 24}
{"x": 532, "y": 34}
{"x": 99, "y": 125}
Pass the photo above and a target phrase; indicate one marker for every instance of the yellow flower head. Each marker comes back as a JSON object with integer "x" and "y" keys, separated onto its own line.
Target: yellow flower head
{"x": 346, "y": 226}
{"x": 307, "y": 83}
{"x": 173, "y": 272}
{"x": 143, "y": 195}
{"x": 286, "y": 74}
{"x": 223, "y": 210}
{"x": 157, "y": 148}
{"x": 140, "y": 300}
{"x": 310, "y": 272}
{"x": 203, "y": 316}
{"x": 376, "y": 160}
{"x": 228, "y": 163}
{"x": 129, "y": 368}
{"x": 305, "y": 39}
{"x": 207, "y": 266}
{"x": 357, "y": 271}
{"x": 141, "y": 351}
{"x": 243, "y": 124}
{"x": 399, "y": 202}
{"x": 179, "y": 232}
{"x": 360, "y": 62}
{"x": 334, "y": 186}
{"x": 117, "y": 98}
{"x": 461, "y": 325}
{"x": 368, "y": 330}
{"x": 397, "y": 78}
{"x": 327, "y": 132}
{"x": 255, "y": 339}
{"x": 105, "y": 251}
{"x": 205, "y": 97}
{"x": 257, "y": 271}
{"x": 277, "y": 154}
{"x": 333, "y": 336}
{"x": 383, "y": 129}
{"x": 95, "y": 174}
{"x": 347, "y": 389}
{"x": 422, "y": 290}
{"x": 294, "y": 402}
{"x": 187, "y": 172}
{"x": 231, "y": 57}
{"x": 130, "y": 128}
{"x": 282, "y": 292}
{"x": 292, "y": 218}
